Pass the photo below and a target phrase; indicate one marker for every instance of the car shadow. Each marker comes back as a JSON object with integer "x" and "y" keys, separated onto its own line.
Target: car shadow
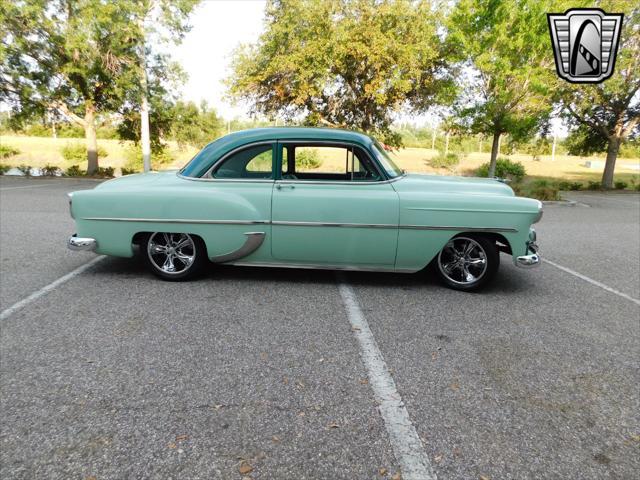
{"x": 509, "y": 280}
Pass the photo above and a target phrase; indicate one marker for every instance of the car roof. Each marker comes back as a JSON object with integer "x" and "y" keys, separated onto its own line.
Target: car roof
{"x": 291, "y": 133}
{"x": 237, "y": 139}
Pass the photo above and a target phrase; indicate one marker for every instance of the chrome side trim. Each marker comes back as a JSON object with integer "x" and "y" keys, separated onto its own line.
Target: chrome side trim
{"x": 251, "y": 244}
{"x": 330, "y": 224}
{"x": 314, "y": 266}
{"x": 432, "y": 209}
{"x": 466, "y": 229}
{"x": 179, "y": 220}
{"x": 78, "y": 244}
{"x": 305, "y": 224}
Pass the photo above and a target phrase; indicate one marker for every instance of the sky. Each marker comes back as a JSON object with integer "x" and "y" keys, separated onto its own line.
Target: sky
{"x": 218, "y": 27}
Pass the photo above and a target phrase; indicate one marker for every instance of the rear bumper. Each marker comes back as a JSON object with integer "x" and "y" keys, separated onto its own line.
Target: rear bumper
{"x": 76, "y": 243}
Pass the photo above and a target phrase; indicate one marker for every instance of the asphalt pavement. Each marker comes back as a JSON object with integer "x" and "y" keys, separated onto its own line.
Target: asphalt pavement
{"x": 258, "y": 373}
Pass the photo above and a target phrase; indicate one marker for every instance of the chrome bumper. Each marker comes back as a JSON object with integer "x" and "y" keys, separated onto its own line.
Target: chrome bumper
{"x": 530, "y": 260}
{"x": 76, "y": 243}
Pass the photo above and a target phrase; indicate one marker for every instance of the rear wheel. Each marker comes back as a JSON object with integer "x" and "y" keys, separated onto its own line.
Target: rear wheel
{"x": 468, "y": 262}
{"x": 173, "y": 256}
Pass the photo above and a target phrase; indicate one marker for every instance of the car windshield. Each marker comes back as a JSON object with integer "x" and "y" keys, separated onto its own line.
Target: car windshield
{"x": 384, "y": 159}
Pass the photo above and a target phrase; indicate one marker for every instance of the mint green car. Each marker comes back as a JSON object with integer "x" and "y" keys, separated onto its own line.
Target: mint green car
{"x": 307, "y": 198}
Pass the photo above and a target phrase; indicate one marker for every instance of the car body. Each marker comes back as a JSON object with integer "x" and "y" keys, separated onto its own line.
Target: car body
{"x": 257, "y": 197}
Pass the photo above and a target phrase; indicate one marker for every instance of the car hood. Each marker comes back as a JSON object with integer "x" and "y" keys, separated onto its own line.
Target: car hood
{"x": 450, "y": 184}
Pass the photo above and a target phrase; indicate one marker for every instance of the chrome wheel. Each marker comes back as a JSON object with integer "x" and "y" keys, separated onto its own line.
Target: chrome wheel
{"x": 463, "y": 261}
{"x": 171, "y": 253}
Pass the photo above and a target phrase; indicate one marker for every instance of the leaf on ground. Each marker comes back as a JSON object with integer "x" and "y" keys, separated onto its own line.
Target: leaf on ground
{"x": 333, "y": 425}
{"x": 438, "y": 458}
{"x": 364, "y": 381}
{"x": 275, "y": 438}
{"x": 382, "y": 471}
{"x": 245, "y": 468}
{"x": 484, "y": 477}
{"x": 181, "y": 438}
{"x": 172, "y": 445}
{"x": 434, "y": 355}
{"x": 355, "y": 329}
{"x": 396, "y": 476}
{"x": 454, "y": 386}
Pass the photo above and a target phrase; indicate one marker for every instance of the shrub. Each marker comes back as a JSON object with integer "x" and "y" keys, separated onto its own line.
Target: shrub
{"x": 308, "y": 159}
{"x": 26, "y": 169}
{"x": 8, "y": 151}
{"x": 620, "y": 185}
{"x": 133, "y": 154}
{"x": 76, "y": 152}
{"x": 74, "y": 171}
{"x": 128, "y": 171}
{"x": 50, "y": 170}
{"x": 544, "y": 190}
{"x": 575, "y": 186}
{"x": 445, "y": 161}
{"x": 505, "y": 168}
{"x": 4, "y": 168}
{"x": 104, "y": 172}
{"x": 594, "y": 185}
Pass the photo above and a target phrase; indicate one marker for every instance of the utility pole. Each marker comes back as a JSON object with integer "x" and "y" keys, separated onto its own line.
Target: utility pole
{"x": 553, "y": 147}
{"x": 433, "y": 139}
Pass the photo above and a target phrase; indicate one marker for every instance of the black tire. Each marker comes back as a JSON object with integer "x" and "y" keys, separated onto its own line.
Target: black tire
{"x": 158, "y": 263}
{"x": 468, "y": 272}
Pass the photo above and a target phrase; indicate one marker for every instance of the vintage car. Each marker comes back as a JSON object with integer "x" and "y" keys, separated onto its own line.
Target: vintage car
{"x": 307, "y": 198}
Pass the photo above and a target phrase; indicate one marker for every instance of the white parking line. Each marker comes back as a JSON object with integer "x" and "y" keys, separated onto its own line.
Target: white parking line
{"x": 46, "y": 289}
{"x": 404, "y": 439}
{"x": 593, "y": 282}
{"x": 28, "y": 186}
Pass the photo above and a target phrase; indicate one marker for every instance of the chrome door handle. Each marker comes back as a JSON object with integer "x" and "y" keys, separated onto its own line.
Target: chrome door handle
{"x": 280, "y": 187}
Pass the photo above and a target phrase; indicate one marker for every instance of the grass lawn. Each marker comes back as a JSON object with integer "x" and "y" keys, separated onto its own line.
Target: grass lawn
{"x": 39, "y": 151}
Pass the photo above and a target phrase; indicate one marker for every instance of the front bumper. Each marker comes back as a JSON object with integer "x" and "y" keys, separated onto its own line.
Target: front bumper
{"x": 531, "y": 259}
{"x": 76, "y": 243}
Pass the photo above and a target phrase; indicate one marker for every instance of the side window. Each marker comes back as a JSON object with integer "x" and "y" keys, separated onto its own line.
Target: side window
{"x": 251, "y": 162}
{"x": 327, "y": 162}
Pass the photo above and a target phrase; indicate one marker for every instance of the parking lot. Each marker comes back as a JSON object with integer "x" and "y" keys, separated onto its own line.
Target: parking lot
{"x": 110, "y": 373}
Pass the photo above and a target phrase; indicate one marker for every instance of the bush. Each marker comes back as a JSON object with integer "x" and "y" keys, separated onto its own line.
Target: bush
{"x": 539, "y": 189}
{"x": 74, "y": 171}
{"x": 620, "y": 185}
{"x": 308, "y": 159}
{"x": 26, "y": 169}
{"x": 133, "y": 154}
{"x": 128, "y": 171}
{"x": 4, "y": 168}
{"x": 76, "y": 152}
{"x": 8, "y": 151}
{"x": 594, "y": 185}
{"x": 445, "y": 161}
{"x": 565, "y": 185}
{"x": 104, "y": 172}
{"x": 505, "y": 168}
{"x": 50, "y": 170}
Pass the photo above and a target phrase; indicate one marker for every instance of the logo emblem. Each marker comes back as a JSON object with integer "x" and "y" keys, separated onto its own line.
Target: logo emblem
{"x": 585, "y": 43}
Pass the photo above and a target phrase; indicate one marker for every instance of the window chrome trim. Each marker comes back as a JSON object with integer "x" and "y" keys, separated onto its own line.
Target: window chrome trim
{"x": 307, "y": 224}
{"x": 338, "y": 182}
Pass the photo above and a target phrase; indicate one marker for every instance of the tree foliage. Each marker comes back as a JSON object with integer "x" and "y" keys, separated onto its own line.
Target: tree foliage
{"x": 605, "y": 115}
{"x": 502, "y": 48}
{"x": 342, "y": 63}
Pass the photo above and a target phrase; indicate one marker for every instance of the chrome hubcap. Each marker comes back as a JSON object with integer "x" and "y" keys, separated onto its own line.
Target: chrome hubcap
{"x": 463, "y": 261}
{"x": 171, "y": 252}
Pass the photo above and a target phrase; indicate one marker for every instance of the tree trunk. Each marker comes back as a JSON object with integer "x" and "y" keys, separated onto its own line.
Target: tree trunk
{"x": 144, "y": 133}
{"x": 610, "y": 163}
{"x": 90, "y": 135}
{"x": 495, "y": 147}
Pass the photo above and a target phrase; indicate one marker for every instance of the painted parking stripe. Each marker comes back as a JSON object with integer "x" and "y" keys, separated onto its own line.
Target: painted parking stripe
{"x": 46, "y": 289}
{"x": 28, "y": 186}
{"x": 593, "y": 282}
{"x": 406, "y": 443}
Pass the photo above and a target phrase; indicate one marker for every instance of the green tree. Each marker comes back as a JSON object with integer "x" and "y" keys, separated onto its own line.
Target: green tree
{"x": 81, "y": 58}
{"x": 75, "y": 57}
{"x": 502, "y": 47}
{"x": 604, "y": 116}
{"x": 342, "y": 63}
{"x": 195, "y": 126}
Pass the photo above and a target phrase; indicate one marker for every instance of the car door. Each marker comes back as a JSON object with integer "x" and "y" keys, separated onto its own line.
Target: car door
{"x": 331, "y": 206}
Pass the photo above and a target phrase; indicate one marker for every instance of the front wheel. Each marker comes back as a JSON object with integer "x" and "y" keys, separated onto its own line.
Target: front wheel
{"x": 468, "y": 262}
{"x": 173, "y": 256}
